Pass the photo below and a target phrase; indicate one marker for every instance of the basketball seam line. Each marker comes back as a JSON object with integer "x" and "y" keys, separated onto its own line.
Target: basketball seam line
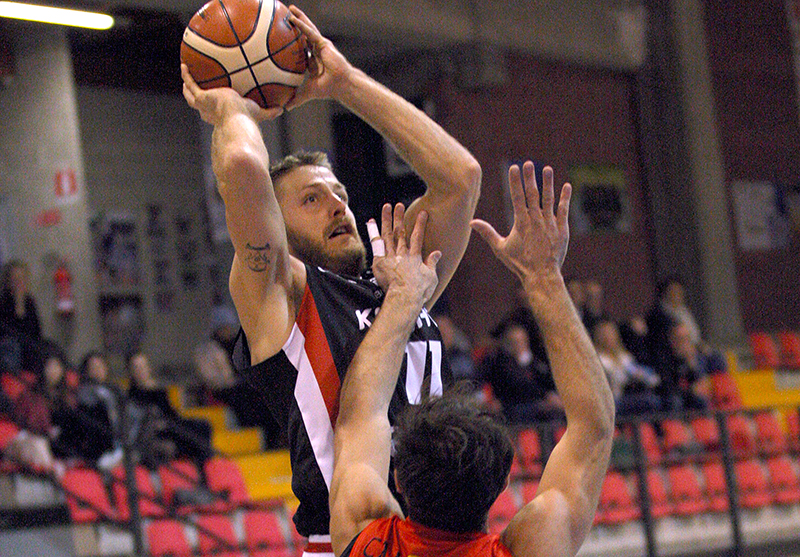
{"x": 241, "y": 46}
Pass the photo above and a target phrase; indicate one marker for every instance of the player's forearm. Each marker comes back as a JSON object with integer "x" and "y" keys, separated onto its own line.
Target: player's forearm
{"x": 443, "y": 163}
{"x": 371, "y": 378}
{"x": 576, "y": 368}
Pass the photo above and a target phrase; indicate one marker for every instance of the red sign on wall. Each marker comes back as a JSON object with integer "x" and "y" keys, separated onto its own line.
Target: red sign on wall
{"x": 65, "y": 184}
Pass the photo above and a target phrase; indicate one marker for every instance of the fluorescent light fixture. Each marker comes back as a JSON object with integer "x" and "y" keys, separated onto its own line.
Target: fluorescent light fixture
{"x": 58, "y": 16}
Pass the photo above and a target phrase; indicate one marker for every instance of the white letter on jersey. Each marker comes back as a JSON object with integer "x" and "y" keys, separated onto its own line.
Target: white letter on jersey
{"x": 416, "y": 354}
{"x": 362, "y": 315}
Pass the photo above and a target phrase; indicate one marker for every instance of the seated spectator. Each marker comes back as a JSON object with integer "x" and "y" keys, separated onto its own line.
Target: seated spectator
{"x": 19, "y": 318}
{"x": 593, "y": 305}
{"x": 633, "y": 333}
{"x": 99, "y": 407}
{"x": 684, "y": 374}
{"x": 166, "y": 434}
{"x": 520, "y": 381}
{"x": 455, "y": 347}
{"x": 632, "y": 384}
{"x": 216, "y": 373}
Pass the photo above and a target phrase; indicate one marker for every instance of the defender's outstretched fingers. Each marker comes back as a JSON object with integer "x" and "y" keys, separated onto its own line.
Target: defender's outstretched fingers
{"x": 418, "y": 234}
{"x": 398, "y": 228}
{"x": 386, "y": 229}
{"x": 375, "y": 240}
{"x": 517, "y": 192}
{"x": 563, "y": 208}
{"x": 548, "y": 195}
{"x": 532, "y": 193}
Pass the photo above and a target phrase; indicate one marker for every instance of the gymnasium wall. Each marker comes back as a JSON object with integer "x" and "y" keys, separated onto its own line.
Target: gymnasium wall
{"x": 756, "y": 91}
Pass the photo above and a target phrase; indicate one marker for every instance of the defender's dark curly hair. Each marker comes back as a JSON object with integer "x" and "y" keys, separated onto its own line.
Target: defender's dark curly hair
{"x": 452, "y": 459}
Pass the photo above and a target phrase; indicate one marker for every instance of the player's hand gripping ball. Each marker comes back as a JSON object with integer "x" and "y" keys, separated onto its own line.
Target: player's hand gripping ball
{"x": 248, "y": 45}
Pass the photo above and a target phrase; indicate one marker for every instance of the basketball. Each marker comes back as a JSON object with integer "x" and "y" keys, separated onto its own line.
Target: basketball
{"x": 248, "y": 45}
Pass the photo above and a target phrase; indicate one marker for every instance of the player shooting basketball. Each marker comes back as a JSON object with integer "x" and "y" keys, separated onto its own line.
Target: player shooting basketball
{"x": 451, "y": 458}
{"x": 293, "y": 279}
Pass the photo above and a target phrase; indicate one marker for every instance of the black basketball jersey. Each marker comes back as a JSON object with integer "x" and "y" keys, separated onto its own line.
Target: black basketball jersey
{"x": 300, "y": 384}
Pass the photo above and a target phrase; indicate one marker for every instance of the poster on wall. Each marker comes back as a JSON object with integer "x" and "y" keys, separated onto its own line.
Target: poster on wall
{"x": 116, "y": 249}
{"x": 599, "y": 200}
{"x": 761, "y": 220}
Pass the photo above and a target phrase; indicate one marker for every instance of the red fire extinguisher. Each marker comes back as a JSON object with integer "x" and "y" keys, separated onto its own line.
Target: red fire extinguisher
{"x": 62, "y": 278}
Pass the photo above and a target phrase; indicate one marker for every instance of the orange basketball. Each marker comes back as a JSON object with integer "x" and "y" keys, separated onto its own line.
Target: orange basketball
{"x": 248, "y": 45}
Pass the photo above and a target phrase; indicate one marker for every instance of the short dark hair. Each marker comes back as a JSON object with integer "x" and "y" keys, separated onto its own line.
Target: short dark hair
{"x": 452, "y": 458}
{"x": 297, "y": 159}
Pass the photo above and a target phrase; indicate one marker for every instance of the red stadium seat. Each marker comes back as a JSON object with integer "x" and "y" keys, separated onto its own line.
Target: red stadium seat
{"x": 149, "y": 506}
{"x": 650, "y": 443}
{"x": 752, "y": 484}
{"x": 87, "y": 499}
{"x": 616, "y": 503}
{"x": 660, "y": 505}
{"x": 771, "y": 439}
{"x": 502, "y": 511}
{"x": 264, "y": 536}
{"x": 529, "y": 488}
{"x": 783, "y": 480}
{"x": 530, "y": 451}
{"x": 715, "y": 486}
{"x": 175, "y": 476}
{"x": 676, "y": 437}
{"x": 706, "y": 432}
{"x": 8, "y": 430}
{"x": 765, "y": 350}
{"x": 725, "y": 393}
{"x": 793, "y": 429}
{"x": 685, "y": 490}
{"x": 790, "y": 349}
{"x": 224, "y": 476}
{"x": 12, "y": 386}
{"x": 215, "y": 535}
{"x": 743, "y": 442}
{"x": 167, "y": 538}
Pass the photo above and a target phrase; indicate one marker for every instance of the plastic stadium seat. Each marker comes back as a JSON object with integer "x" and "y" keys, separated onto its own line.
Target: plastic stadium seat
{"x": 215, "y": 535}
{"x": 167, "y": 538}
{"x": 177, "y": 475}
{"x": 752, "y": 484}
{"x": 706, "y": 432}
{"x": 223, "y": 476}
{"x": 528, "y": 489}
{"x": 676, "y": 437}
{"x": 650, "y": 443}
{"x": 789, "y": 342}
{"x": 660, "y": 505}
{"x": 743, "y": 442}
{"x": 793, "y": 429}
{"x": 616, "y": 503}
{"x": 264, "y": 535}
{"x": 783, "y": 480}
{"x": 715, "y": 486}
{"x": 87, "y": 499}
{"x": 503, "y": 509}
{"x": 12, "y": 386}
{"x": 771, "y": 439}
{"x": 685, "y": 490}
{"x": 149, "y": 506}
{"x": 530, "y": 451}
{"x": 725, "y": 393}
{"x": 765, "y": 350}
{"x": 8, "y": 430}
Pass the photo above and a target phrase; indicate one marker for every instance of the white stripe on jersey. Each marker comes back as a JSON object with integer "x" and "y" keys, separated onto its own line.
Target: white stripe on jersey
{"x": 311, "y": 403}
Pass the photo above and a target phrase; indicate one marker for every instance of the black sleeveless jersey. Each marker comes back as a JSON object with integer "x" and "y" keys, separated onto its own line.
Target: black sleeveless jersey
{"x": 300, "y": 384}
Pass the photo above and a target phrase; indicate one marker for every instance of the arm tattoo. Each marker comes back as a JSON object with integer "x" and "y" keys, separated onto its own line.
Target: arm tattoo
{"x": 257, "y": 257}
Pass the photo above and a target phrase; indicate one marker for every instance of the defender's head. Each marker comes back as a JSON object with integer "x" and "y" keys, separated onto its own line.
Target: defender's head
{"x": 452, "y": 460}
{"x": 320, "y": 227}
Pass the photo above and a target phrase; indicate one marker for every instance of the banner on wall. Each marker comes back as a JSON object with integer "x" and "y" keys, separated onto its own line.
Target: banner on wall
{"x": 599, "y": 200}
{"x": 761, "y": 220}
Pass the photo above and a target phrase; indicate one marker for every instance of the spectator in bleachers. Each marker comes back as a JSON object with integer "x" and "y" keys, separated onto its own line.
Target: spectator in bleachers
{"x": 166, "y": 433}
{"x": 685, "y": 372}
{"x": 455, "y": 346}
{"x": 519, "y": 380}
{"x": 632, "y": 384}
{"x": 633, "y": 332}
{"x": 214, "y": 368}
{"x": 99, "y": 407}
{"x": 593, "y": 305}
{"x": 19, "y": 318}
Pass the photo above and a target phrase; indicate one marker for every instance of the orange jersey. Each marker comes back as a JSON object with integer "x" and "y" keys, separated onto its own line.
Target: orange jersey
{"x": 395, "y": 537}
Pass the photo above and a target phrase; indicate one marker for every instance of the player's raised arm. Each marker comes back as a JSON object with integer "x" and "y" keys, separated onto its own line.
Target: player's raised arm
{"x": 450, "y": 172}
{"x": 556, "y": 522}
{"x": 359, "y": 492}
{"x": 261, "y": 279}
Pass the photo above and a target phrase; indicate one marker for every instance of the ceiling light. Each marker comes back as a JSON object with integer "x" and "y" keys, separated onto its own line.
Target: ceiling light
{"x": 58, "y": 16}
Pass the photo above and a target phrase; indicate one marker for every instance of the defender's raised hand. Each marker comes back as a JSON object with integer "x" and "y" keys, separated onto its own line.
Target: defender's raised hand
{"x": 537, "y": 243}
